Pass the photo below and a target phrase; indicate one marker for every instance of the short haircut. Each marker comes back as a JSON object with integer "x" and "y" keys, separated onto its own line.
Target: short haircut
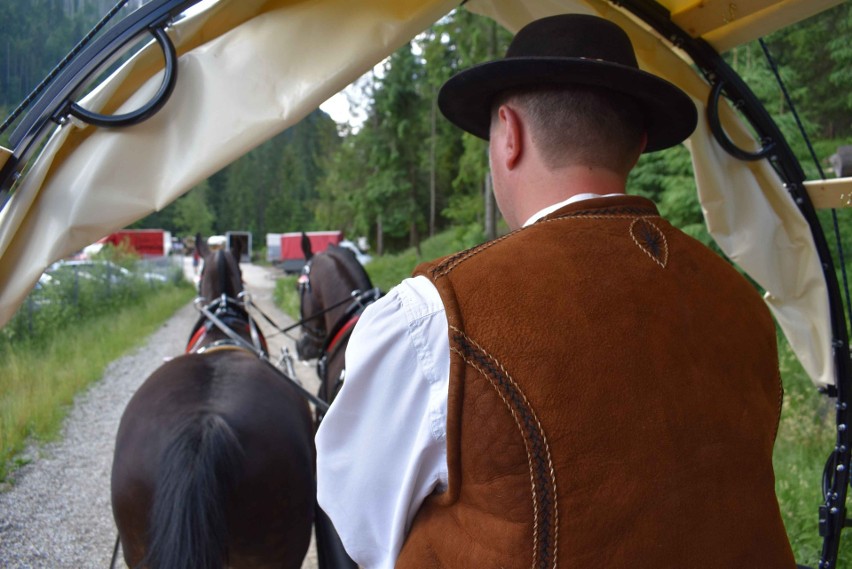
{"x": 580, "y": 125}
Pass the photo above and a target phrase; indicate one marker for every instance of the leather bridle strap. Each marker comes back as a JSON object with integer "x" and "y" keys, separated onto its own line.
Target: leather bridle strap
{"x": 319, "y": 403}
{"x": 355, "y": 294}
{"x": 222, "y": 269}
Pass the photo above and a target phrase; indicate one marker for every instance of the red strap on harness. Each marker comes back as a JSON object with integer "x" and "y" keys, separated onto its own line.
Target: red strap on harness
{"x": 190, "y": 346}
{"x": 344, "y": 330}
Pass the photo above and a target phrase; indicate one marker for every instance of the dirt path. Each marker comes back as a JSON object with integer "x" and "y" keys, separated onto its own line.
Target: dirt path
{"x": 57, "y": 514}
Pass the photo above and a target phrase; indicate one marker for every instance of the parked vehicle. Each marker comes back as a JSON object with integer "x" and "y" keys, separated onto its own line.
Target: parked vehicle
{"x": 98, "y": 270}
{"x": 290, "y": 255}
{"x": 362, "y": 257}
{"x": 145, "y": 242}
{"x": 244, "y": 238}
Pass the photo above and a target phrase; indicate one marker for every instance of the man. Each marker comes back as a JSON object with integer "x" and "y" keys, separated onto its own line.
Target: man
{"x": 595, "y": 389}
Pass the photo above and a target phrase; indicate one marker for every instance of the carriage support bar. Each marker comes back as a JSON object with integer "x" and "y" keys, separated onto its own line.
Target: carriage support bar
{"x": 835, "y": 193}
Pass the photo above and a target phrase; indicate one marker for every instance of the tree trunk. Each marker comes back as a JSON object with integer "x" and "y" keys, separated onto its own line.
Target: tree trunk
{"x": 380, "y": 241}
{"x": 414, "y": 235}
{"x": 432, "y": 166}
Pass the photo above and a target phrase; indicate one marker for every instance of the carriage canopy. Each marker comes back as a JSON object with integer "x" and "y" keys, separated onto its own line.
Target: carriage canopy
{"x": 248, "y": 69}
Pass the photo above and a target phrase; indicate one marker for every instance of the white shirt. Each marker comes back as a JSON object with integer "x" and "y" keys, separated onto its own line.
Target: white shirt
{"x": 382, "y": 446}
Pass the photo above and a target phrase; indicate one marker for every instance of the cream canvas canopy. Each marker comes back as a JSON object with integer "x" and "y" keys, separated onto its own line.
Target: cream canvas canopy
{"x": 248, "y": 69}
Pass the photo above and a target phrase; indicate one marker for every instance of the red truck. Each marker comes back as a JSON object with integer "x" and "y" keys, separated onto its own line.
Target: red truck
{"x": 286, "y": 248}
{"x": 146, "y": 242}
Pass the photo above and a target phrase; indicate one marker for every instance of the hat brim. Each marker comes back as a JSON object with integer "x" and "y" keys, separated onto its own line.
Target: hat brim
{"x": 466, "y": 98}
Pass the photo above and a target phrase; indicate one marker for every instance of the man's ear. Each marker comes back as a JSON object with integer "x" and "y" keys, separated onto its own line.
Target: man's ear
{"x": 512, "y": 135}
{"x": 642, "y": 144}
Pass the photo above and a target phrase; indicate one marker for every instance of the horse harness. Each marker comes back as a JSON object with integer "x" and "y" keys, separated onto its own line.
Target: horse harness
{"x": 234, "y": 316}
{"x": 226, "y": 312}
{"x": 334, "y": 338}
{"x": 229, "y": 311}
{"x": 315, "y": 332}
{"x": 342, "y": 329}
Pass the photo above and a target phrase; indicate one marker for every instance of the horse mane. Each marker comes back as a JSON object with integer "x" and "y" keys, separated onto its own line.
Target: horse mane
{"x": 222, "y": 272}
{"x": 347, "y": 258}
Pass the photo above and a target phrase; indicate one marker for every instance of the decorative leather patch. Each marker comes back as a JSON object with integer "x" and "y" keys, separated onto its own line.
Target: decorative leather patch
{"x": 542, "y": 472}
{"x": 651, "y": 240}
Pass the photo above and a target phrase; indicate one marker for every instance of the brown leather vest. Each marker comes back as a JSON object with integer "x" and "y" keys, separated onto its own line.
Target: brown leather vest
{"x": 614, "y": 398}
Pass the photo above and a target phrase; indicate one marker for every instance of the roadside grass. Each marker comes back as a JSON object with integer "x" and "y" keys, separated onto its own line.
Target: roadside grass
{"x": 805, "y": 433}
{"x": 286, "y": 295}
{"x": 39, "y": 380}
{"x": 805, "y": 439}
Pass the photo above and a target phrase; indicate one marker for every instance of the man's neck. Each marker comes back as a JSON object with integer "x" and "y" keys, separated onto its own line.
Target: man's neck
{"x": 556, "y": 186}
{"x": 559, "y": 205}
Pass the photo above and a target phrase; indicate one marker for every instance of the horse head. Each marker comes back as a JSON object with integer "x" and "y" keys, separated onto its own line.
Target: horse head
{"x": 314, "y": 331}
{"x": 220, "y": 290}
{"x": 327, "y": 281}
{"x": 221, "y": 273}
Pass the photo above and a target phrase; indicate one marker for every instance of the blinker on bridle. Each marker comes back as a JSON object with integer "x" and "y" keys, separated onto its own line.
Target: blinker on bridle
{"x": 304, "y": 283}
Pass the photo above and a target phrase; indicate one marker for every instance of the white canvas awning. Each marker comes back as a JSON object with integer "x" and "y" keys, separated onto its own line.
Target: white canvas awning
{"x": 248, "y": 69}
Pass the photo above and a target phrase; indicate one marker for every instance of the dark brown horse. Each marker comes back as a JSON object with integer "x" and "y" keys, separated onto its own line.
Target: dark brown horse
{"x": 334, "y": 290}
{"x": 214, "y": 458}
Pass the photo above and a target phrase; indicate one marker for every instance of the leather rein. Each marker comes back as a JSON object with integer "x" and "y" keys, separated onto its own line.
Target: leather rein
{"x": 226, "y": 310}
{"x": 240, "y": 342}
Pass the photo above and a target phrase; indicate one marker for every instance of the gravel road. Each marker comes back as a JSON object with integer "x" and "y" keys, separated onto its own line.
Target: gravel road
{"x": 57, "y": 512}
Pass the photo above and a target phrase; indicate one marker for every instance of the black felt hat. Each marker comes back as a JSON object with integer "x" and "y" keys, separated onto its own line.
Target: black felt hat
{"x": 570, "y": 49}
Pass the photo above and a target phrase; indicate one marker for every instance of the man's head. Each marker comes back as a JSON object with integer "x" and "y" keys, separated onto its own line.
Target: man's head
{"x": 569, "y": 56}
{"x": 578, "y": 125}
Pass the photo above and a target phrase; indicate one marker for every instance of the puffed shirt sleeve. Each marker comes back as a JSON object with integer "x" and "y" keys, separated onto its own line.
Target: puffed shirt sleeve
{"x": 381, "y": 448}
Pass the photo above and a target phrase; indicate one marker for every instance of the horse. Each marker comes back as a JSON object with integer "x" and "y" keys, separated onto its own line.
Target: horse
{"x": 334, "y": 289}
{"x": 214, "y": 456}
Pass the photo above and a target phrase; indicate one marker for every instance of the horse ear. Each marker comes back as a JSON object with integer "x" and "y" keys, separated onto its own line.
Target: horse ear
{"x": 306, "y": 246}
{"x": 201, "y": 245}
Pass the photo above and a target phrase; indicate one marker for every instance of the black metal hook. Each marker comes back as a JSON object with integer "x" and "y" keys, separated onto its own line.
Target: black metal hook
{"x": 150, "y": 108}
{"x": 722, "y": 137}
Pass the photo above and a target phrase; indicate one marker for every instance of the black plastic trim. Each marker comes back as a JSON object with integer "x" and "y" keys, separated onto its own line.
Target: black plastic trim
{"x": 151, "y": 107}
{"x": 55, "y": 103}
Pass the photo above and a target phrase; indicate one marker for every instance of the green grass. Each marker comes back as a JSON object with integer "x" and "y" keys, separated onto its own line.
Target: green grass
{"x": 38, "y": 380}
{"x": 287, "y": 295}
{"x": 805, "y": 439}
{"x": 805, "y": 434}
